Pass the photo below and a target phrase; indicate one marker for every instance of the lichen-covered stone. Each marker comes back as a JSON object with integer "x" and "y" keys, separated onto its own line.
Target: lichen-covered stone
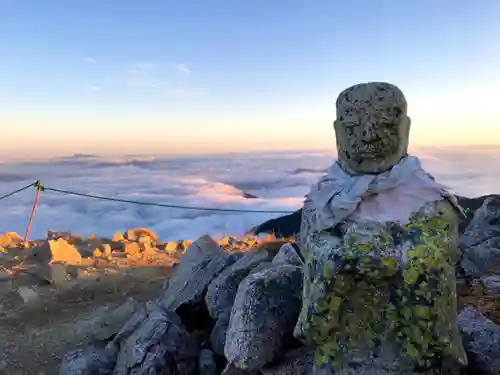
{"x": 154, "y": 342}
{"x": 371, "y": 128}
{"x": 264, "y": 313}
{"x": 482, "y": 340}
{"x": 384, "y": 294}
{"x": 90, "y": 360}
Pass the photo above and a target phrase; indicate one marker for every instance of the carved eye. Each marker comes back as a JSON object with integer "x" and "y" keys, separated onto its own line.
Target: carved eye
{"x": 388, "y": 124}
{"x": 350, "y": 129}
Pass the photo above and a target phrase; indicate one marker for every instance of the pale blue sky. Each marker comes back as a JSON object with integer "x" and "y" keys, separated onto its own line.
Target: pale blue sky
{"x": 112, "y": 76}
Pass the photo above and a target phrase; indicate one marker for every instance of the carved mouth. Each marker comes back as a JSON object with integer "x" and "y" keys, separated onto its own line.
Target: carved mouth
{"x": 371, "y": 150}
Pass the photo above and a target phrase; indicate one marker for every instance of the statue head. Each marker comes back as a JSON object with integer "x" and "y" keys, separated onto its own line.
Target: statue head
{"x": 371, "y": 128}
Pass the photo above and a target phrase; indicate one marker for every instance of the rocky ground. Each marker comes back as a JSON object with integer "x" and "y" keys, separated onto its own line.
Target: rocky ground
{"x": 57, "y": 293}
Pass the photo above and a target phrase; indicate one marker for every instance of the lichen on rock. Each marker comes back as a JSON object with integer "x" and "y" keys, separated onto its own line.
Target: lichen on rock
{"x": 387, "y": 286}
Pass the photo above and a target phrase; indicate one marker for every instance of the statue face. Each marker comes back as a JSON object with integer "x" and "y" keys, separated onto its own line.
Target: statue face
{"x": 371, "y": 128}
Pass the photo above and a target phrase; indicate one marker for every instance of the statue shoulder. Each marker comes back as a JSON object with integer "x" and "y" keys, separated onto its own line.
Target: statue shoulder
{"x": 441, "y": 209}
{"x": 437, "y": 217}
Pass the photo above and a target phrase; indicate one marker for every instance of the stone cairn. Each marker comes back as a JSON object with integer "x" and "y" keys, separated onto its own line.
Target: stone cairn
{"x": 234, "y": 312}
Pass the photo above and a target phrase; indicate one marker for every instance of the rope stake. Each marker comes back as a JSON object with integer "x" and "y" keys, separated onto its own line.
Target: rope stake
{"x": 39, "y": 188}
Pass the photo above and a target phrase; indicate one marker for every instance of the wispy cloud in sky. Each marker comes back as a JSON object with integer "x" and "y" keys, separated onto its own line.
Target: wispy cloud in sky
{"x": 151, "y": 75}
{"x": 92, "y": 88}
{"x": 186, "y": 92}
{"x": 183, "y": 69}
{"x": 90, "y": 60}
{"x": 144, "y": 65}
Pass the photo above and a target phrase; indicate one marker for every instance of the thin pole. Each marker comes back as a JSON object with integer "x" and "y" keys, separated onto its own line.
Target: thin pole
{"x": 39, "y": 188}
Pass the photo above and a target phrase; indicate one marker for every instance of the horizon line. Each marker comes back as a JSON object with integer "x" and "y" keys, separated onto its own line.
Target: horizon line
{"x": 326, "y": 151}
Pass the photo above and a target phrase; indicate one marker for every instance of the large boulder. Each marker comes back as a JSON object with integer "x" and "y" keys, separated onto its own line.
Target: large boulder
{"x": 93, "y": 359}
{"x": 110, "y": 322}
{"x": 481, "y": 341}
{"x": 263, "y": 317}
{"x": 222, "y": 292}
{"x": 10, "y": 239}
{"x": 288, "y": 255}
{"x": 485, "y": 224}
{"x": 201, "y": 263}
{"x": 480, "y": 243}
{"x": 54, "y": 251}
{"x": 154, "y": 342}
{"x": 143, "y": 235}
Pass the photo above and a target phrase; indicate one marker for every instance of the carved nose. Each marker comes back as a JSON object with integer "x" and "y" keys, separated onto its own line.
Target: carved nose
{"x": 368, "y": 132}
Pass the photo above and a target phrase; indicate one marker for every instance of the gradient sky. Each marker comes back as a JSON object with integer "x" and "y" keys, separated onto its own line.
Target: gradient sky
{"x": 151, "y": 76}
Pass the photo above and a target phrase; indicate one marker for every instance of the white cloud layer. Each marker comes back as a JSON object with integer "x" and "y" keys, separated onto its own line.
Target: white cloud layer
{"x": 280, "y": 180}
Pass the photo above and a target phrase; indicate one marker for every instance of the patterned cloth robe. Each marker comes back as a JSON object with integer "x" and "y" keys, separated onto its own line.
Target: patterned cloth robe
{"x": 379, "y": 281}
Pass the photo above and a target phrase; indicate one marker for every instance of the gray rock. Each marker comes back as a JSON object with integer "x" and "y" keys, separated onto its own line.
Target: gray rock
{"x": 485, "y": 224}
{"x": 482, "y": 258}
{"x": 6, "y": 287}
{"x": 263, "y": 316}
{"x": 206, "y": 363}
{"x": 112, "y": 322}
{"x": 218, "y": 335}
{"x": 91, "y": 360}
{"x": 491, "y": 284}
{"x": 480, "y": 242}
{"x": 54, "y": 273}
{"x": 288, "y": 255}
{"x": 201, "y": 263}
{"x": 296, "y": 362}
{"x": 154, "y": 342}
{"x": 481, "y": 339}
{"x": 231, "y": 369}
{"x": 203, "y": 247}
{"x": 263, "y": 266}
{"x": 222, "y": 290}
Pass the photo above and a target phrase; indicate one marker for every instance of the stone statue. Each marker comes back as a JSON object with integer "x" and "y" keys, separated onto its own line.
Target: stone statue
{"x": 379, "y": 238}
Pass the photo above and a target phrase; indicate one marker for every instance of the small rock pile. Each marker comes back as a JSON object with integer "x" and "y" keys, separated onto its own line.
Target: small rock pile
{"x": 221, "y": 312}
{"x": 234, "y": 312}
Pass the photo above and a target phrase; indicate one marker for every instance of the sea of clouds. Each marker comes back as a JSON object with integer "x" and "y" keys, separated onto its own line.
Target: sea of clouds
{"x": 279, "y": 180}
